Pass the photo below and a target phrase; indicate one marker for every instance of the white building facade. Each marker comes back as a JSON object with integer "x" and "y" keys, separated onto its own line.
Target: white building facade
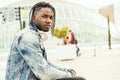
{"x": 90, "y": 27}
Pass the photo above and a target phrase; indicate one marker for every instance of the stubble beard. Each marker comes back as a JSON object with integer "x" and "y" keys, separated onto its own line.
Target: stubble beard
{"x": 40, "y": 27}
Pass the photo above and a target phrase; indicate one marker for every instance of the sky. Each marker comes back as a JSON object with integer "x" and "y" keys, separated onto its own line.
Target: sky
{"x": 6, "y": 2}
{"x": 93, "y": 4}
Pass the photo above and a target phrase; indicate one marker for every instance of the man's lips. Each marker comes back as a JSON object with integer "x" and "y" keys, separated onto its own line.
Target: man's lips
{"x": 48, "y": 26}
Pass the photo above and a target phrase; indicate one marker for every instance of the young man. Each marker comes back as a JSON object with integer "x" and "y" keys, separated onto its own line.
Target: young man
{"x": 28, "y": 58}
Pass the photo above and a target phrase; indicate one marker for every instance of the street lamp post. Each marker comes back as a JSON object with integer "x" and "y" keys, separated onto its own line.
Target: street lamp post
{"x": 18, "y": 16}
{"x": 109, "y": 33}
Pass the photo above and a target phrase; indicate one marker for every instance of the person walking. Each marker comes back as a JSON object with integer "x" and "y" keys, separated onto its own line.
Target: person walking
{"x": 72, "y": 37}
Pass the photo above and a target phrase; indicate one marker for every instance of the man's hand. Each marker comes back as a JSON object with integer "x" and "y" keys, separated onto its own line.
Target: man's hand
{"x": 73, "y": 73}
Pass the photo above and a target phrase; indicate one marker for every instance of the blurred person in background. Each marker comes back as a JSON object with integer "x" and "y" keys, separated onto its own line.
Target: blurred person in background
{"x": 71, "y": 37}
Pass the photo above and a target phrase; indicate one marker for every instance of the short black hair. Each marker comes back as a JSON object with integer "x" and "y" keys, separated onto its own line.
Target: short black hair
{"x": 37, "y": 7}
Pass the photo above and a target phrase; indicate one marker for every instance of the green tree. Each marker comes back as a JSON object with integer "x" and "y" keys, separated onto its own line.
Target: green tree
{"x": 60, "y": 33}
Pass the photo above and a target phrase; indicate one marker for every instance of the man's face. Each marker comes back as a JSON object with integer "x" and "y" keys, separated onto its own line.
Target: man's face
{"x": 43, "y": 19}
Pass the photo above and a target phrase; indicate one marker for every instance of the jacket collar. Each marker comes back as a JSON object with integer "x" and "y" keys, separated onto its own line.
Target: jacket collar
{"x": 34, "y": 27}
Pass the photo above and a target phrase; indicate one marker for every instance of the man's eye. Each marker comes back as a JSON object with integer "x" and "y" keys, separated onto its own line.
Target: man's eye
{"x": 51, "y": 17}
{"x": 44, "y": 16}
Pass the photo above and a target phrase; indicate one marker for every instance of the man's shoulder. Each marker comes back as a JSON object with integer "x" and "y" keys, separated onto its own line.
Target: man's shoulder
{"x": 26, "y": 32}
{"x": 27, "y": 35}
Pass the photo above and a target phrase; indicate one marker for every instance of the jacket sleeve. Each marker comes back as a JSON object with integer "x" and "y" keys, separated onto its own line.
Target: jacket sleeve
{"x": 29, "y": 48}
{"x": 58, "y": 67}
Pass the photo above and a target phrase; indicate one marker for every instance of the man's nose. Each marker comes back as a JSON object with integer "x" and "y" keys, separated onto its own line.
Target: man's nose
{"x": 49, "y": 20}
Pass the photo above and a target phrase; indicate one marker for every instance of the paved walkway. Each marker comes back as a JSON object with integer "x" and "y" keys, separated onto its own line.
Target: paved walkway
{"x": 93, "y": 64}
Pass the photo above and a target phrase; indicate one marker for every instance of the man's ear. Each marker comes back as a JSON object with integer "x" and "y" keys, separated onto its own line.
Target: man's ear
{"x": 33, "y": 18}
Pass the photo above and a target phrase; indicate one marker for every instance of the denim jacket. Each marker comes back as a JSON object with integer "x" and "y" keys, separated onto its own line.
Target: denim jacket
{"x": 28, "y": 60}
